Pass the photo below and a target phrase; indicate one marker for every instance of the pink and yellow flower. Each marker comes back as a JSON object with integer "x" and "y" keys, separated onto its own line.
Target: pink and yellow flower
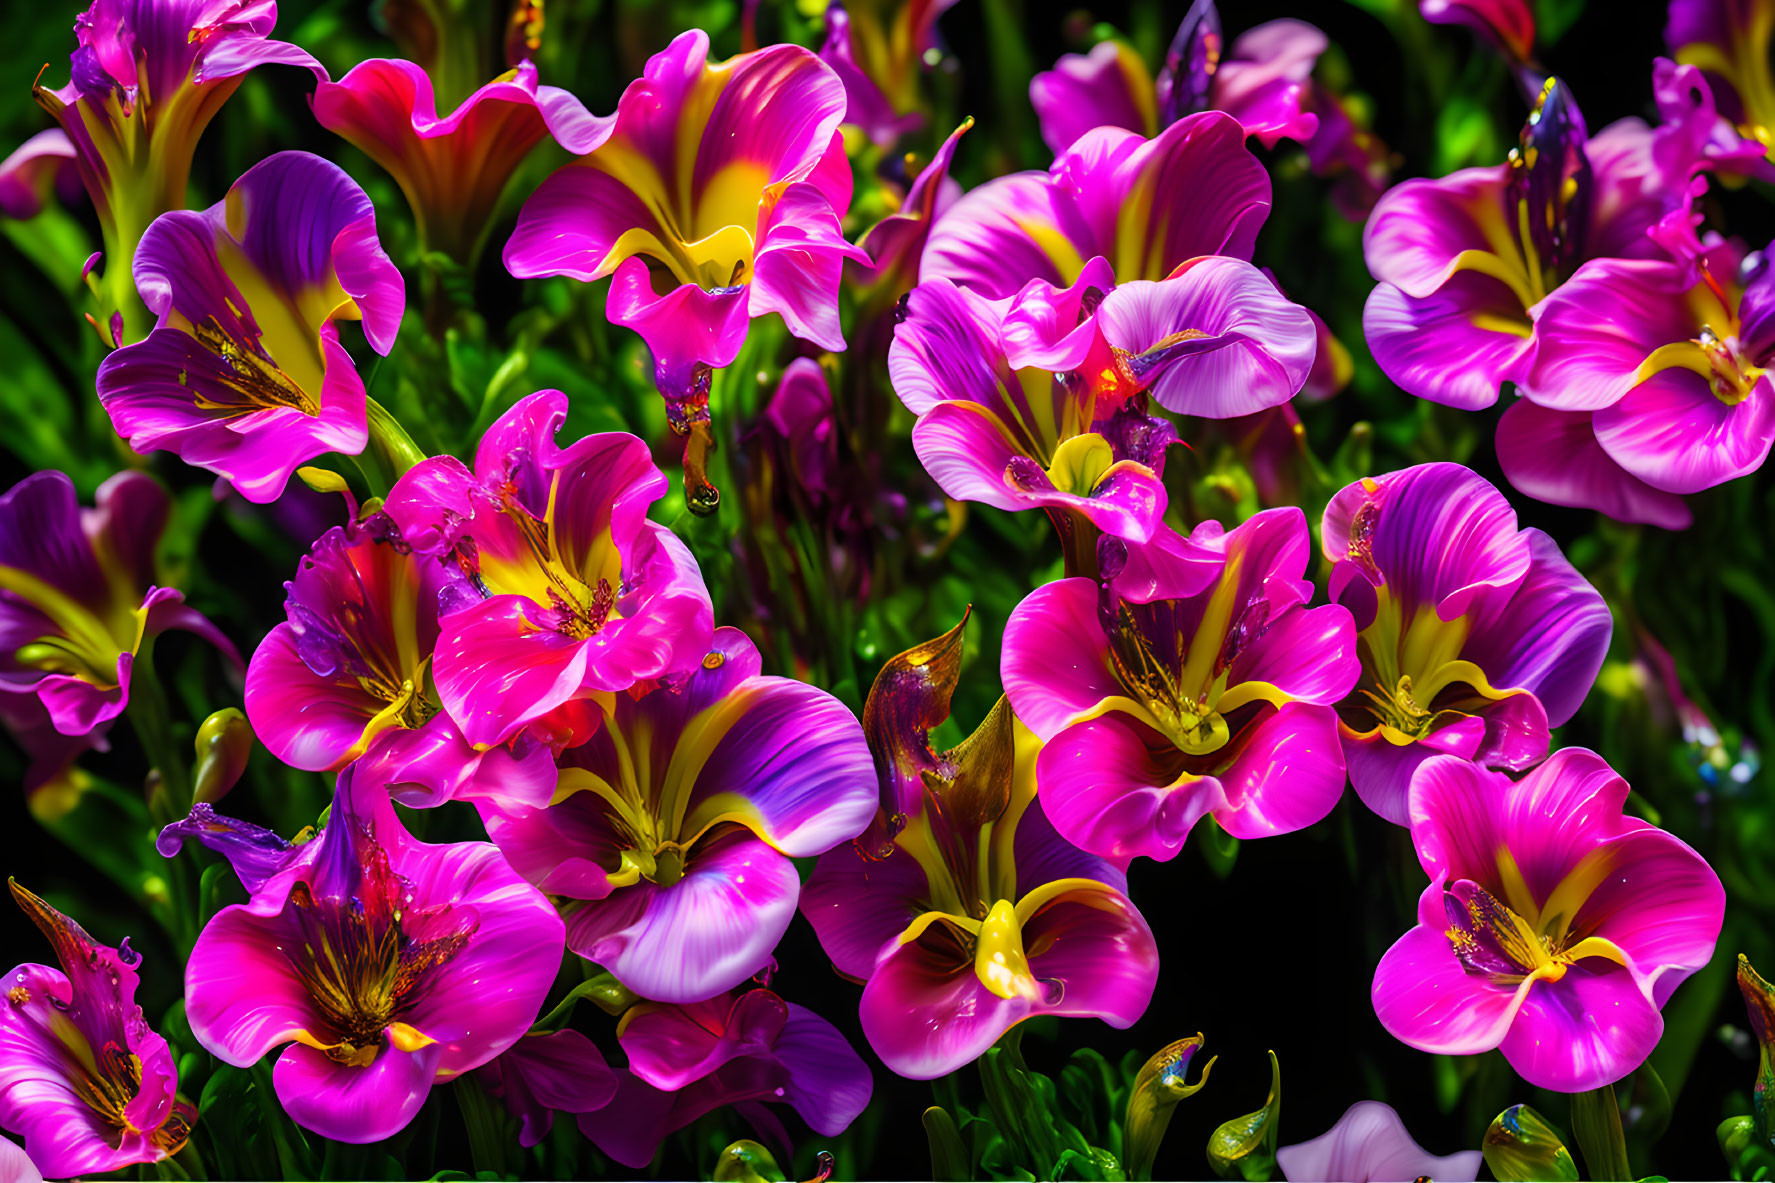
{"x": 1729, "y": 41}
{"x": 568, "y": 592}
{"x": 1193, "y": 680}
{"x": 379, "y": 964}
{"x": 674, "y": 828}
{"x": 712, "y": 198}
{"x": 82, "y": 1077}
{"x": 975, "y": 914}
{"x": 1554, "y": 927}
{"x": 1475, "y": 637}
{"x": 245, "y": 374}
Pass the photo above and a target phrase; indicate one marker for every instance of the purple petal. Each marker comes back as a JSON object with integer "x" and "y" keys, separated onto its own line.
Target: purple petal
{"x": 829, "y": 1084}
{"x": 1673, "y": 433}
{"x": 1456, "y": 346}
{"x": 1108, "y": 87}
{"x": 1553, "y": 456}
{"x": 858, "y": 905}
{"x": 1264, "y": 78}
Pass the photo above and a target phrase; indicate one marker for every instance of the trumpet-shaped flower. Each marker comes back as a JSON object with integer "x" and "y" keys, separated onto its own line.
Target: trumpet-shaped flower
{"x": 713, "y": 197}
{"x": 1144, "y": 205}
{"x": 1040, "y": 401}
{"x": 245, "y": 374}
{"x": 976, "y": 915}
{"x": 78, "y": 602}
{"x": 1475, "y": 637}
{"x": 1648, "y": 382}
{"x": 347, "y": 677}
{"x": 1554, "y": 927}
{"x": 733, "y": 1049}
{"x": 1462, "y": 259}
{"x": 544, "y": 1073}
{"x": 676, "y": 825}
{"x": 570, "y": 591}
{"x": 381, "y": 965}
{"x": 145, "y": 80}
{"x": 1369, "y": 1142}
{"x": 1729, "y": 41}
{"x": 1194, "y": 679}
{"x": 82, "y": 1078}
{"x": 451, "y": 168}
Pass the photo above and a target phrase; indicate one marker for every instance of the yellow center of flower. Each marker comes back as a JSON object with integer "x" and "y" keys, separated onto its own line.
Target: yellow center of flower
{"x": 1518, "y": 938}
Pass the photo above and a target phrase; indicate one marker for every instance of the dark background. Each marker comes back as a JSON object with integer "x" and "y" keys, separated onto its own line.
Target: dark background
{"x": 1277, "y": 955}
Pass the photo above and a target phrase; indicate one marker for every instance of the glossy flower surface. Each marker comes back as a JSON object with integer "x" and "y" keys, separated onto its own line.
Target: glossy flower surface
{"x": 245, "y": 374}
{"x": 1554, "y": 927}
{"x": 675, "y": 825}
{"x": 1193, "y": 680}
{"x": 1369, "y": 1144}
{"x": 381, "y": 965}
{"x": 1475, "y": 637}
{"x": 570, "y": 590}
{"x": 78, "y": 601}
{"x": 975, "y": 914}
{"x": 85, "y": 1081}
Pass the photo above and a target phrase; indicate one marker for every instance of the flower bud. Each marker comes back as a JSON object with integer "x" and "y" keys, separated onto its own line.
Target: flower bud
{"x": 1520, "y": 1145}
{"x": 224, "y": 742}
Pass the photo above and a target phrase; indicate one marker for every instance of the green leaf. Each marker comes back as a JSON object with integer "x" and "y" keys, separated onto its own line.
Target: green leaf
{"x": 1596, "y": 1124}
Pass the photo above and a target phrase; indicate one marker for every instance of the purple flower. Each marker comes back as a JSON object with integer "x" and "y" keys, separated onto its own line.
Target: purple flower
{"x": 714, "y": 196}
{"x": 1039, "y": 401}
{"x": 52, "y": 783}
{"x": 867, "y": 106}
{"x": 744, "y": 1050}
{"x": 82, "y": 1078}
{"x": 964, "y": 913}
{"x": 1507, "y": 24}
{"x": 1144, "y": 205}
{"x": 384, "y": 964}
{"x": 895, "y": 244}
{"x": 1264, "y": 80}
{"x": 1475, "y": 637}
{"x": 1647, "y": 383}
{"x": 145, "y": 80}
{"x": 1462, "y": 259}
{"x": 1369, "y": 1142}
{"x": 43, "y": 162}
{"x": 347, "y": 677}
{"x": 675, "y": 827}
{"x": 1546, "y": 909}
{"x": 1729, "y": 41}
{"x": 78, "y": 601}
{"x": 245, "y": 374}
{"x": 1694, "y": 134}
{"x": 542, "y": 1073}
{"x": 570, "y": 590}
{"x": 1194, "y": 679}
{"x": 451, "y": 168}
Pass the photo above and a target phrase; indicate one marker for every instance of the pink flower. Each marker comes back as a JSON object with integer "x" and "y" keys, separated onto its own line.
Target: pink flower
{"x": 1194, "y": 679}
{"x": 82, "y": 1078}
{"x": 1554, "y": 927}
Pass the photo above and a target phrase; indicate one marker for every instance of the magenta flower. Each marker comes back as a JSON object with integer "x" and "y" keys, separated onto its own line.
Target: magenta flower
{"x": 676, "y": 824}
{"x": 542, "y": 1073}
{"x": 347, "y": 677}
{"x": 713, "y": 197}
{"x": 1369, "y": 1142}
{"x": 1039, "y": 401}
{"x": 78, "y": 601}
{"x": 1729, "y": 41}
{"x": 145, "y": 81}
{"x": 82, "y": 1078}
{"x": 451, "y": 168}
{"x": 1546, "y": 908}
{"x": 1507, "y": 25}
{"x": 40, "y": 164}
{"x": 1475, "y": 637}
{"x": 1462, "y": 259}
{"x": 384, "y": 964}
{"x": 1695, "y": 135}
{"x": 1264, "y": 80}
{"x": 570, "y": 591}
{"x": 867, "y": 107}
{"x": 1144, "y": 205}
{"x": 1193, "y": 680}
{"x": 744, "y": 1050}
{"x": 1647, "y": 383}
{"x": 965, "y": 913}
{"x": 245, "y": 374}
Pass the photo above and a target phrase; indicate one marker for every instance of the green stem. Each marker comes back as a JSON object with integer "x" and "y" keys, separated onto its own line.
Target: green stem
{"x": 392, "y": 449}
{"x": 1596, "y": 1121}
{"x": 486, "y": 1143}
{"x": 170, "y": 799}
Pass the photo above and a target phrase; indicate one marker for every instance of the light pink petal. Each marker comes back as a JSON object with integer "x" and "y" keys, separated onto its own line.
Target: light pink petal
{"x": 1369, "y": 1144}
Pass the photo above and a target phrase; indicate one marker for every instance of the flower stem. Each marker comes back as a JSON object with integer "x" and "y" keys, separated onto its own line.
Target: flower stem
{"x": 1596, "y": 1121}
{"x": 393, "y": 450}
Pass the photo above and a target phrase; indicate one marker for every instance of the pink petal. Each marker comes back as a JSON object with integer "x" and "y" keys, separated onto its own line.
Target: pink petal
{"x": 1587, "y": 1030}
{"x": 1424, "y": 997}
{"x": 1444, "y": 346}
{"x": 1553, "y": 456}
{"x": 349, "y": 1104}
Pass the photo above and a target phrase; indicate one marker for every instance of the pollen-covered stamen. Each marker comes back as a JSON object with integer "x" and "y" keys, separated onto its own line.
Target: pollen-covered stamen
{"x": 363, "y": 957}
{"x": 1398, "y": 707}
{"x": 252, "y": 375}
{"x": 1147, "y": 649}
{"x": 1492, "y": 939}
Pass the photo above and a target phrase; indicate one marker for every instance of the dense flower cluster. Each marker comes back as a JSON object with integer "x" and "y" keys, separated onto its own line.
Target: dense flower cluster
{"x": 548, "y": 722}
